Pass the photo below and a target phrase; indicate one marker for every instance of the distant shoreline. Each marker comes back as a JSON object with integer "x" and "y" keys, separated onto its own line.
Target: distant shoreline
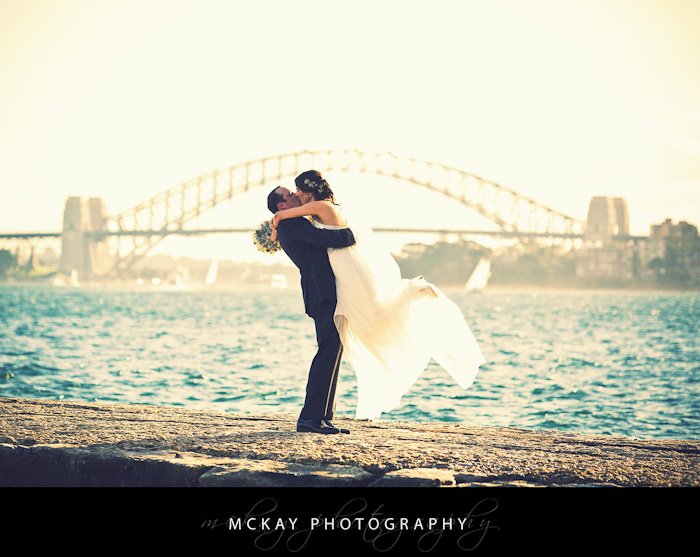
{"x": 125, "y": 285}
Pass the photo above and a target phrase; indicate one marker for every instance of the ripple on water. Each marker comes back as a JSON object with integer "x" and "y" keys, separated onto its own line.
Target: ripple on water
{"x": 620, "y": 363}
{"x": 576, "y": 394}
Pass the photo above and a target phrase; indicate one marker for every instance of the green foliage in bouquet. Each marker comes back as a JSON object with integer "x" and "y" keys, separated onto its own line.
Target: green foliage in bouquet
{"x": 261, "y": 239}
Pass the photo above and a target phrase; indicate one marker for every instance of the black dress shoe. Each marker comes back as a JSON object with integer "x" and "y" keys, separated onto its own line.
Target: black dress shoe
{"x": 315, "y": 426}
{"x": 330, "y": 424}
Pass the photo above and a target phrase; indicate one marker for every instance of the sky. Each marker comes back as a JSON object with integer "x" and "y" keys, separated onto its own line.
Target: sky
{"x": 559, "y": 100}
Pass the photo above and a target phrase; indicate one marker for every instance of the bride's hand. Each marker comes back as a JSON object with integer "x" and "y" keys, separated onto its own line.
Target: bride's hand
{"x": 275, "y": 220}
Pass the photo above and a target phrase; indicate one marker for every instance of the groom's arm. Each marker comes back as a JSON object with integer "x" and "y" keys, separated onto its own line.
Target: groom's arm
{"x": 301, "y": 230}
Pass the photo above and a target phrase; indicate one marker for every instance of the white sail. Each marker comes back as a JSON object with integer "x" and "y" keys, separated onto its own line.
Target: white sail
{"x": 212, "y": 272}
{"x": 278, "y": 281}
{"x": 480, "y": 275}
{"x": 74, "y": 278}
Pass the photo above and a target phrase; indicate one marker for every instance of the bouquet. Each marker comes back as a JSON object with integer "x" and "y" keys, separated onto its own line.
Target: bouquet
{"x": 261, "y": 239}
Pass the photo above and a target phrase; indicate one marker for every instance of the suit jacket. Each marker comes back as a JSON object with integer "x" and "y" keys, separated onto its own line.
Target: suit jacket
{"x": 307, "y": 246}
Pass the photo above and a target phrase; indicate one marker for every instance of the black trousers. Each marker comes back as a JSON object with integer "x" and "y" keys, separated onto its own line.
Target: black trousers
{"x": 323, "y": 375}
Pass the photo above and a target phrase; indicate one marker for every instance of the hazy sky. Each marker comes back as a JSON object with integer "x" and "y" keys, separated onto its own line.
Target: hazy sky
{"x": 560, "y": 100}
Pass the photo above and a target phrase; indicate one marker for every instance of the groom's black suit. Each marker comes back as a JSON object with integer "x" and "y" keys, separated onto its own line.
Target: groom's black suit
{"x": 307, "y": 246}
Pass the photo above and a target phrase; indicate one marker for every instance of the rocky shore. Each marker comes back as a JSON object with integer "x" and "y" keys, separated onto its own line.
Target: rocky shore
{"x": 74, "y": 443}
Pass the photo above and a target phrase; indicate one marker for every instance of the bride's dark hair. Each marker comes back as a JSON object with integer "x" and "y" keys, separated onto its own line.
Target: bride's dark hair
{"x": 312, "y": 182}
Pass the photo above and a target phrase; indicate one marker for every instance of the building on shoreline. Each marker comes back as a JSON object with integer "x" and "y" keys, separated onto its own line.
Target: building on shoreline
{"x": 670, "y": 255}
{"x": 672, "y": 252}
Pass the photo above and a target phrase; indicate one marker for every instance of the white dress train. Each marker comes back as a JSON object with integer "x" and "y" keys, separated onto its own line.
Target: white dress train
{"x": 391, "y": 327}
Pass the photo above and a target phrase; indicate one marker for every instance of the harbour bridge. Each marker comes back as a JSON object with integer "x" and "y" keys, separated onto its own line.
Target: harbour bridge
{"x": 87, "y": 227}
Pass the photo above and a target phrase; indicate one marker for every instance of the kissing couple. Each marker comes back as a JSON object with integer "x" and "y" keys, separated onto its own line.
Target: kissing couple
{"x": 388, "y": 327}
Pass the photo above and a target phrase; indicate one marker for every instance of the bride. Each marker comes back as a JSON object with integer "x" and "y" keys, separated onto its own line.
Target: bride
{"x": 390, "y": 327}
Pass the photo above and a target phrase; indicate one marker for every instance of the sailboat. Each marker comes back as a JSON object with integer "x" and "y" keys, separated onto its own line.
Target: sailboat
{"x": 278, "y": 280}
{"x": 480, "y": 276}
{"x": 212, "y": 272}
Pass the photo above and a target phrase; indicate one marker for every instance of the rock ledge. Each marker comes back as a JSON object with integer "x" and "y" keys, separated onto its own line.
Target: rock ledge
{"x": 75, "y": 443}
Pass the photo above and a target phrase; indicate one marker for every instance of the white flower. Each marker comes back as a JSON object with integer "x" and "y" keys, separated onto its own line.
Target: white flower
{"x": 313, "y": 185}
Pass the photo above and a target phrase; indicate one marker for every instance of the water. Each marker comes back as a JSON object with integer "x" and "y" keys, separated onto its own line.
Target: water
{"x": 617, "y": 363}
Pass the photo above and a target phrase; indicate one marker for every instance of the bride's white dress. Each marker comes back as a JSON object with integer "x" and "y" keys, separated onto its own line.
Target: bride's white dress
{"x": 391, "y": 327}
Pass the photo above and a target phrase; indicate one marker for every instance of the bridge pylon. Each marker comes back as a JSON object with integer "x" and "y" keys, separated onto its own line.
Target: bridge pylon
{"x": 81, "y": 251}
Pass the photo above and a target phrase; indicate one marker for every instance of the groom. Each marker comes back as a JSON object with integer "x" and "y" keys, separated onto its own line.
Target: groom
{"x": 307, "y": 246}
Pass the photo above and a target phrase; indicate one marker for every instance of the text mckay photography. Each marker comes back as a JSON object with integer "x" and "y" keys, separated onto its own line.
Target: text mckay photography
{"x": 268, "y": 526}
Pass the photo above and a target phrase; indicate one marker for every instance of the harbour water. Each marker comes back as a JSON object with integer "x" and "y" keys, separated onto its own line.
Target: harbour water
{"x": 602, "y": 362}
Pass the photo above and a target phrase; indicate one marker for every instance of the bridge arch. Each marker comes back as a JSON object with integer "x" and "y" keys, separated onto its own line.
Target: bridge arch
{"x": 170, "y": 210}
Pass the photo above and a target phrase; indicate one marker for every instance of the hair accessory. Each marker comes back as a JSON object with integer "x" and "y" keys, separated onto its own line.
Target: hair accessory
{"x": 313, "y": 185}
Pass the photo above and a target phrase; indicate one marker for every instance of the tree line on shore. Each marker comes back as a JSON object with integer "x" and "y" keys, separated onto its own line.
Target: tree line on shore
{"x": 528, "y": 264}
{"x": 445, "y": 264}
